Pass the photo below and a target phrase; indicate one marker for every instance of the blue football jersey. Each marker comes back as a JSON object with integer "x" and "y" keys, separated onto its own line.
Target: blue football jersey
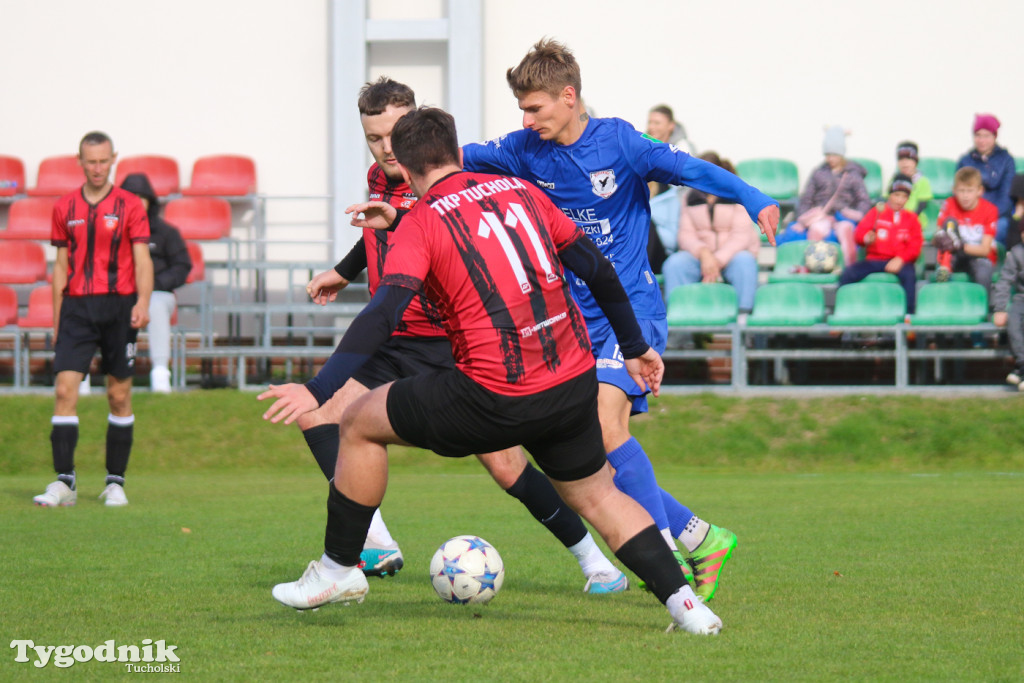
{"x": 600, "y": 182}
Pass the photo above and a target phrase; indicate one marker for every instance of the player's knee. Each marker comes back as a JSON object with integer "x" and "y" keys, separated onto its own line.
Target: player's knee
{"x": 505, "y": 466}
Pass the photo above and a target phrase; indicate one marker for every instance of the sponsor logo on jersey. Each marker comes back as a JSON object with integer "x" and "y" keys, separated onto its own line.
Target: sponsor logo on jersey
{"x": 110, "y": 221}
{"x": 545, "y": 184}
{"x": 603, "y": 183}
{"x": 75, "y": 221}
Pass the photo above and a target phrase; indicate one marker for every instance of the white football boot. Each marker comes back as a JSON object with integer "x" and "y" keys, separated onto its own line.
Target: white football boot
{"x": 313, "y": 589}
{"x": 114, "y": 494}
{"x": 57, "y": 494}
{"x": 690, "y": 614}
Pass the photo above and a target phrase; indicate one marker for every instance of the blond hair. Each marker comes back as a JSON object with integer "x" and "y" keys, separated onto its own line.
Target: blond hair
{"x": 548, "y": 67}
{"x": 968, "y": 175}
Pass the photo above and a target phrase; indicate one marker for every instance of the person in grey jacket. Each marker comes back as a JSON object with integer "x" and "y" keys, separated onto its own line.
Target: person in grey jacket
{"x": 171, "y": 266}
{"x": 1012, "y": 277}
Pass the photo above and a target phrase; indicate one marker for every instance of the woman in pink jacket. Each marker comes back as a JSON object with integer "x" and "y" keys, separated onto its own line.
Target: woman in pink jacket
{"x": 717, "y": 241}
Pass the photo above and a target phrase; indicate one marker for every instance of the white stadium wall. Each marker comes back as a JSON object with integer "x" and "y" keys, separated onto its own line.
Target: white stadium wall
{"x": 747, "y": 78}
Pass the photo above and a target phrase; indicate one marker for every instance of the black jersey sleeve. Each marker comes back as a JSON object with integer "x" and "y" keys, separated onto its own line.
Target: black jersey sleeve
{"x": 584, "y": 259}
{"x": 371, "y": 328}
{"x": 354, "y": 261}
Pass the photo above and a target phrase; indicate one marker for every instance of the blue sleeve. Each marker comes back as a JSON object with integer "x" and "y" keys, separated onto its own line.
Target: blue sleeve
{"x": 1002, "y": 190}
{"x": 368, "y": 331}
{"x": 665, "y": 163}
{"x": 501, "y": 156}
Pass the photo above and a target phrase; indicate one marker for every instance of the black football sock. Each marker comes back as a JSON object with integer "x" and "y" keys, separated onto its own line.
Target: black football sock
{"x": 649, "y": 557}
{"x": 120, "y": 431}
{"x": 535, "y": 491}
{"x": 347, "y": 524}
{"x": 323, "y": 442}
{"x": 63, "y": 440}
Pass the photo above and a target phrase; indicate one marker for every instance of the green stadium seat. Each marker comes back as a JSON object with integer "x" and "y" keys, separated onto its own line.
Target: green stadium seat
{"x": 777, "y": 178}
{"x": 869, "y": 303}
{"x": 712, "y": 303}
{"x": 951, "y": 303}
{"x": 789, "y": 304}
{"x": 1018, "y": 163}
{"x": 939, "y": 173}
{"x": 790, "y": 254}
{"x": 881, "y": 277}
{"x": 873, "y": 180}
{"x": 929, "y": 218}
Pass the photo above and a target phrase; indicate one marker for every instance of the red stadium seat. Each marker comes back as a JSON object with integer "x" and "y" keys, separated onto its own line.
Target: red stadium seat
{"x": 12, "y": 176}
{"x": 22, "y": 262}
{"x": 199, "y": 218}
{"x": 162, "y": 172}
{"x": 58, "y": 176}
{"x": 198, "y": 272}
{"x": 222, "y": 175}
{"x": 40, "y": 308}
{"x": 8, "y": 306}
{"x": 30, "y": 219}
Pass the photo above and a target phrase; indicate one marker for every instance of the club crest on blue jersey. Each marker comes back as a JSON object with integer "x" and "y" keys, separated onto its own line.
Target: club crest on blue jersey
{"x": 603, "y": 183}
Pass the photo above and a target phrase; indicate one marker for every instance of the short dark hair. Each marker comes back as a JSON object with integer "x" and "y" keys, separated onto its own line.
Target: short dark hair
{"x": 664, "y": 110}
{"x": 424, "y": 139}
{"x": 94, "y": 138}
{"x": 375, "y": 97}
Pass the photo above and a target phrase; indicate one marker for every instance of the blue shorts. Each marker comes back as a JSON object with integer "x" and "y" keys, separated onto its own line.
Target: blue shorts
{"x": 611, "y": 366}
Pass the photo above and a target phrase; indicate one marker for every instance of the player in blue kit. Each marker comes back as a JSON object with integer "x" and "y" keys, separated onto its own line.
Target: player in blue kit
{"x": 596, "y": 171}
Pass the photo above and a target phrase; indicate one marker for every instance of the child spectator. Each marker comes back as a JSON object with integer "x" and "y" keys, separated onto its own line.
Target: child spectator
{"x": 833, "y": 200}
{"x": 1012, "y": 278}
{"x": 891, "y": 234}
{"x": 967, "y": 231}
{"x": 906, "y": 163}
{"x": 996, "y": 167}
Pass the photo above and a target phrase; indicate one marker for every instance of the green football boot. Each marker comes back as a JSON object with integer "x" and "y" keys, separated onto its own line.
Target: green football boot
{"x": 709, "y": 559}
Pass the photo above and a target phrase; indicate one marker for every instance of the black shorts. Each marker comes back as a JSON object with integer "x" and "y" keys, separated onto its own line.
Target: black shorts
{"x": 100, "y": 320}
{"x": 454, "y": 416}
{"x": 405, "y": 357}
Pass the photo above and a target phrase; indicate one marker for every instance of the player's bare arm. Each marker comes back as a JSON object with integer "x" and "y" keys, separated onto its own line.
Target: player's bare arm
{"x": 143, "y": 284}
{"x": 372, "y": 215}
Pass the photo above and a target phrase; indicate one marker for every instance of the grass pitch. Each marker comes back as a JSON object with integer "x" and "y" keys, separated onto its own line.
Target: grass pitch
{"x": 854, "y": 563}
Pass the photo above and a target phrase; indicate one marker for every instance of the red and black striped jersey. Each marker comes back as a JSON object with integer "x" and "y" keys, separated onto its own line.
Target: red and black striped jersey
{"x": 421, "y": 318}
{"x": 99, "y": 239}
{"x": 485, "y": 249}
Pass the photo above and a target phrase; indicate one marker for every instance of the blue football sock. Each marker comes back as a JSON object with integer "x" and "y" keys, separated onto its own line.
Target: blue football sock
{"x": 678, "y": 514}
{"x": 634, "y": 476}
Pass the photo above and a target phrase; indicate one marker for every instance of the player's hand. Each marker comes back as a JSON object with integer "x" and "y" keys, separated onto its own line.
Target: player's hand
{"x": 869, "y": 238}
{"x": 325, "y": 286}
{"x": 768, "y": 222}
{"x": 292, "y": 400}
{"x": 372, "y": 215}
{"x": 647, "y": 370}
{"x": 999, "y": 318}
{"x": 140, "y": 316}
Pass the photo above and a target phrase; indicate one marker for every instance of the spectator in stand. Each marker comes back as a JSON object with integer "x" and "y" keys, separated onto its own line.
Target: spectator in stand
{"x": 833, "y": 200}
{"x": 171, "y": 266}
{"x": 665, "y": 199}
{"x": 996, "y": 167}
{"x": 1013, "y": 233}
{"x": 906, "y": 164}
{"x": 967, "y": 231}
{"x": 891, "y": 235}
{"x": 1009, "y": 311}
{"x": 717, "y": 240}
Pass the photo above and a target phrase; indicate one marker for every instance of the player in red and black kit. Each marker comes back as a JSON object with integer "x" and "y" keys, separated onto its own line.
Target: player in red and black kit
{"x": 489, "y": 250}
{"x": 419, "y": 345}
{"x": 102, "y": 281}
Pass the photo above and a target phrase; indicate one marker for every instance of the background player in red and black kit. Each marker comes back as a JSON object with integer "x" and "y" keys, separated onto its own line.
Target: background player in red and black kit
{"x": 102, "y": 281}
{"x": 419, "y": 345}
{"x": 489, "y": 251}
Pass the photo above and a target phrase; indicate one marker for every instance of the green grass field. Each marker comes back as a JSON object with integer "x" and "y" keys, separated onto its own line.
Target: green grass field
{"x": 881, "y": 541}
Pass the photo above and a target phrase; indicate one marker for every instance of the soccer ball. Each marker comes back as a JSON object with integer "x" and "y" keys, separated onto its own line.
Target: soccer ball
{"x": 466, "y": 569}
{"x": 821, "y": 257}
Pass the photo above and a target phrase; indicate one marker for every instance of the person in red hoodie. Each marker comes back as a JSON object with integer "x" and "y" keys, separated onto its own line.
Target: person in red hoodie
{"x": 892, "y": 238}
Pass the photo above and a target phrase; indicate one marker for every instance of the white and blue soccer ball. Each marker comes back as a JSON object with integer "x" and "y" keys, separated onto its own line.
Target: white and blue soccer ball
{"x": 821, "y": 257}
{"x": 467, "y": 569}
